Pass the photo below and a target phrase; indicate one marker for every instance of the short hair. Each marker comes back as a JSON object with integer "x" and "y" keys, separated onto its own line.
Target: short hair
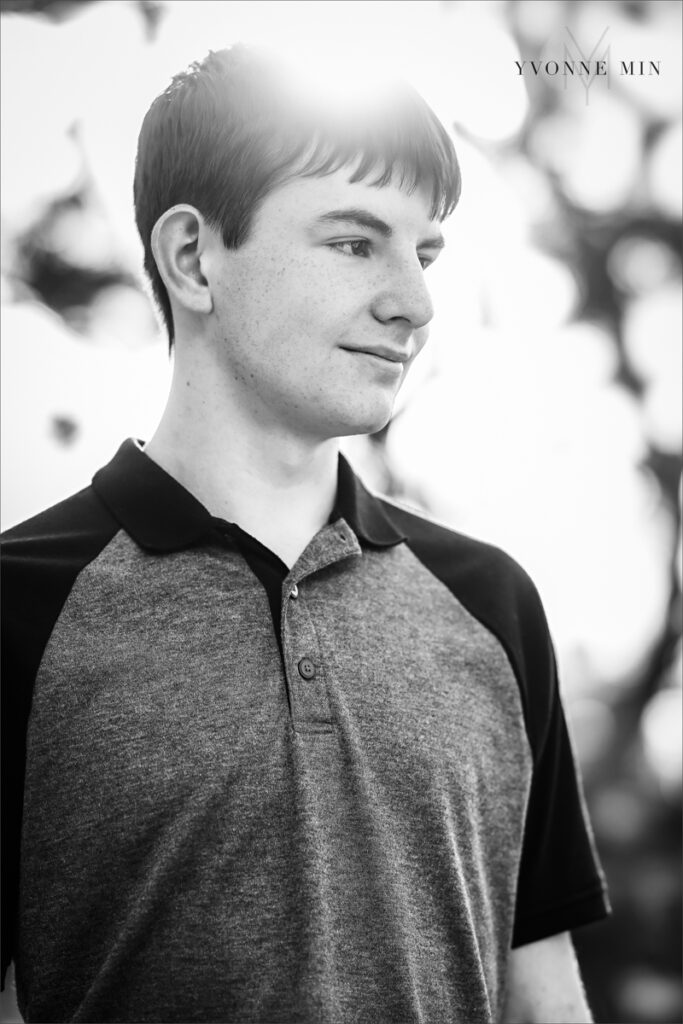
{"x": 225, "y": 133}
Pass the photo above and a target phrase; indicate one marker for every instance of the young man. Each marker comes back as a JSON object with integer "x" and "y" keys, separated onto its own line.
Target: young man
{"x": 291, "y": 753}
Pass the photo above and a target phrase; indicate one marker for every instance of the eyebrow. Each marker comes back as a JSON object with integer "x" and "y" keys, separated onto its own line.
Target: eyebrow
{"x": 365, "y": 219}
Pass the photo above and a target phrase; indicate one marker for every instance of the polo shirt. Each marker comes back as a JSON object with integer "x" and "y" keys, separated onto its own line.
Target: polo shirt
{"x": 353, "y": 820}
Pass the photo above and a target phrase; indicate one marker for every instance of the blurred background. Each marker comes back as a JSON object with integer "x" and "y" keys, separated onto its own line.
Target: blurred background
{"x": 545, "y": 415}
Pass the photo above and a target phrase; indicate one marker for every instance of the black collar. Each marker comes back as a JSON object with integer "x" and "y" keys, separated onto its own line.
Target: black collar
{"x": 161, "y": 515}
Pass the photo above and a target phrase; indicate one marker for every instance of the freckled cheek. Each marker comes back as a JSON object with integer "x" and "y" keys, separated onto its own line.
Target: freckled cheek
{"x": 286, "y": 288}
{"x": 286, "y": 304}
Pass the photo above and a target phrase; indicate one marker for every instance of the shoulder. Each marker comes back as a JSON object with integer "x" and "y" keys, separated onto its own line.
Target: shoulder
{"x": 477, "y": 572}
{"x": 40, "y": 561}
{"x": 67, "y": 530}
{"x": 498, "y": 592}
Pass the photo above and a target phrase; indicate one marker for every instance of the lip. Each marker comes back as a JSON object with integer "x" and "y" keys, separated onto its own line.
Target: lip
{"x": 389, "y": 355}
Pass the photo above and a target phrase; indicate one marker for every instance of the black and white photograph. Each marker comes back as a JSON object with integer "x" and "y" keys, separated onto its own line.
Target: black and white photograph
{"x": 341, "y": 496}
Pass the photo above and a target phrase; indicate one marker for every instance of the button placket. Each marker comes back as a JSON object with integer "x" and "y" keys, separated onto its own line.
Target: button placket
{"x": 303, "y": 660}
{"x": 303, "y": 664}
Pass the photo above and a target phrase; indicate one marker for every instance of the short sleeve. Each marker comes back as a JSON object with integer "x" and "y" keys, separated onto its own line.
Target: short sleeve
{"x": 561, "y": 882}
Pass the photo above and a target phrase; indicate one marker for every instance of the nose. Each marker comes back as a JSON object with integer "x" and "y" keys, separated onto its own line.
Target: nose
{"x": 404, "y": 295}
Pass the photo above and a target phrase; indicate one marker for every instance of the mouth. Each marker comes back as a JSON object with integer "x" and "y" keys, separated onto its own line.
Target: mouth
{"x": 382, "y": 353}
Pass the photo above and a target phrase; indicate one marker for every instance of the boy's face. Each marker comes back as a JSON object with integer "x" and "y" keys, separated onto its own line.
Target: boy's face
{"x": 318, "y": 316}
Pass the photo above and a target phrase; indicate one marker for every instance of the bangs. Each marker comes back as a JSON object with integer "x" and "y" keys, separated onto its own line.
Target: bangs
{"x": 403, "y": 143}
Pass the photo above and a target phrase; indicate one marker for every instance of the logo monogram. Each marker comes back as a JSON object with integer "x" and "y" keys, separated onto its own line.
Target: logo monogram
{"x": 587, "y": 79}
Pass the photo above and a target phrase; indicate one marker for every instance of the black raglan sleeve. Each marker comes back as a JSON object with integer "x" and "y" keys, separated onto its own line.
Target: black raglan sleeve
{"x": 39, "y": 564}
{"x": 561, "y": 884}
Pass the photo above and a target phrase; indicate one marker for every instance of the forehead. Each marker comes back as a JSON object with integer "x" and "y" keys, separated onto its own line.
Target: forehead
{"x": 304, "y": 201}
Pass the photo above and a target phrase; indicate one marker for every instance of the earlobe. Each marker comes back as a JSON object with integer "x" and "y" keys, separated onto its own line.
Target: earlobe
{"x": 177, "y": 246}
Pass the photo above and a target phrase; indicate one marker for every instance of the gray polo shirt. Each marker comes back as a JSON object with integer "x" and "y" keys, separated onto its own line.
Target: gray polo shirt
{"x": 353, "y": 824}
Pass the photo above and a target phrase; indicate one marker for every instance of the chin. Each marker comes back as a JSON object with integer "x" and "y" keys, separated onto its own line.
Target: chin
{"x": 352, "y": 414}
{"x": 368, "y": 422}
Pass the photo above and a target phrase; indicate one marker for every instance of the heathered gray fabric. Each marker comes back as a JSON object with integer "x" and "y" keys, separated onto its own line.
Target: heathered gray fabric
{"x": 228, "y": 842}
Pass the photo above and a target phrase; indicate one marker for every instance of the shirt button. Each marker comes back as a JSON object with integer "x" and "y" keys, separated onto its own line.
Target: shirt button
{"x": 294, "y": 592}
{"x": 306, "y": 668}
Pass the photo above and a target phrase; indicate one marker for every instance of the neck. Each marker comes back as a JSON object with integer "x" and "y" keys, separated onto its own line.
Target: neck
{"x": 278, "y": 487}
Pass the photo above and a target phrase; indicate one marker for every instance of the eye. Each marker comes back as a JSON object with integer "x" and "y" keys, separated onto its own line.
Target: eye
{"x": 353, "y": 247}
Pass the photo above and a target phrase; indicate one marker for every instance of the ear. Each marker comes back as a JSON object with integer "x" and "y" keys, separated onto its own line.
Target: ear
{"x": 178, "y": 238}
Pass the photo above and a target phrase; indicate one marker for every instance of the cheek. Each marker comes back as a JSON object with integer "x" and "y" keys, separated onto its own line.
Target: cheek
{"x": 289, "y": 308}
{"x": 282, "y": 293}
